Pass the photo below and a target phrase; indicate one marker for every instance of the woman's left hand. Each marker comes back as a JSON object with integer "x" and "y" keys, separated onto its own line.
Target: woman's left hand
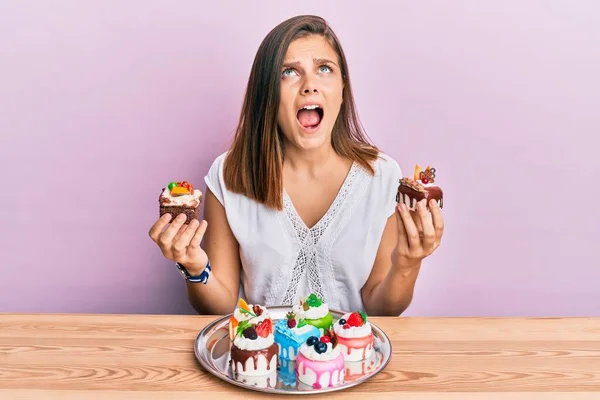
{"x": 419, "y": 234}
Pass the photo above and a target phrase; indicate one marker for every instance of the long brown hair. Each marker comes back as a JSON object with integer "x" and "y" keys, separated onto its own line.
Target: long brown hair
{"x": 253, "y": 166}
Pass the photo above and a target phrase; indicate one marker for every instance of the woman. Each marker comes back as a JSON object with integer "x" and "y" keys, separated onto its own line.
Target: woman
{"x": 302, "y": 202}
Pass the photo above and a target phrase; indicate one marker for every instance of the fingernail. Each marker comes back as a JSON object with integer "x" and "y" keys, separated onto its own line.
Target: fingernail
{"x": 402, "y": 207}
{"x": 166, "y": 216}
{"x": 181, "y": 217}
{"x": 433, "y": 203}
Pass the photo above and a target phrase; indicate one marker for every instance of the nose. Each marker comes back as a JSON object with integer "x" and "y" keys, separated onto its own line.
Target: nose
{"x": 309, "y": 87}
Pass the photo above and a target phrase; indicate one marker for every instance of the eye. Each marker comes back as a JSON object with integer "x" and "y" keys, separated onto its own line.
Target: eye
{"x": 288, "y": 72}
{"x": 325, "y": 69}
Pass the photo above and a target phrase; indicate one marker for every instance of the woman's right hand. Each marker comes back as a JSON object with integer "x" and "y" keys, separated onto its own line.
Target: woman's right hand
{"x": 180, "y": 242}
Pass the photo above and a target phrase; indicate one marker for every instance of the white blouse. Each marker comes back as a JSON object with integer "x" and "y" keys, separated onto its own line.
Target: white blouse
{"x": 283, "y": 260}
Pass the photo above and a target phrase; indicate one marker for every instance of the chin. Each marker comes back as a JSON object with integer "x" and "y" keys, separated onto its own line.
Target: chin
{"x": 312, "y": 141}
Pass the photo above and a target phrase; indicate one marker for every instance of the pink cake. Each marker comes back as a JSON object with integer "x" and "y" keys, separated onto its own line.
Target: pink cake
{"x": 320, "y": 363}
{"x": 355, "y": 336}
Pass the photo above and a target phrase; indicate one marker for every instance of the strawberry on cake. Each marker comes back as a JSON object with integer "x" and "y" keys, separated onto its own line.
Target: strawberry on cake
{"x": 315, "y": 312}
{"x": 253, "y": 351}
{"x": 291, "y": 333}
{"x": 355, "y": 336}
{"x": 320, "y": 362}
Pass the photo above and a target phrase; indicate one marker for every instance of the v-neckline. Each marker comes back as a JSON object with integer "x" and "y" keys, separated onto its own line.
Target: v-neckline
{"x": 330, "y": 209}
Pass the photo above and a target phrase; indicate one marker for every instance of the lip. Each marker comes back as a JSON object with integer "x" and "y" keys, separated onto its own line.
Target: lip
{"x": 311, "y": 103}
{"x": 316, "y": 128}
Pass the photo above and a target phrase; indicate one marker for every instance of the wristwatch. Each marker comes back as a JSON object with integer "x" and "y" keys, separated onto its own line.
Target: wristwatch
{"x": 202, "y": 278}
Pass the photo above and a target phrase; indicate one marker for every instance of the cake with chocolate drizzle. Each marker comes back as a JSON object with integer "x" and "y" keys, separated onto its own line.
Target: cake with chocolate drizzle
{"x": 253, "y": 348}
{"x": 421, "y": 186}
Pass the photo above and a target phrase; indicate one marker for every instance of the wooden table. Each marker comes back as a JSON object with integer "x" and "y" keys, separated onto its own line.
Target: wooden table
{"x": 73, "y": 356}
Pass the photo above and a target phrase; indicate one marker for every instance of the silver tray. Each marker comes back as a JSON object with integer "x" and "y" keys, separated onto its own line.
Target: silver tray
{"x": 212, "y": 351}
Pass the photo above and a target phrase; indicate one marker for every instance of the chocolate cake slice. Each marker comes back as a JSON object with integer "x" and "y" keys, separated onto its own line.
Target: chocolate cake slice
{"x": 411, "y": 191}
{"x": 180, "y": 198}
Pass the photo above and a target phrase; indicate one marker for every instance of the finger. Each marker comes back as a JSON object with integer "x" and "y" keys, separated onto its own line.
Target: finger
{"x": 417, "y": 219}
{"x": 158, "y": 226}
{"x": 167, "y": 236}
{"x": 181, "y": 244}
{"x": 197, "y": 238}
{"x": 427, "y": 224}
{"x": 438, "y": 220}
{"x": 414, "y": 242}
{"x": 402, "y": 236}
{"x": 180, "y": 232}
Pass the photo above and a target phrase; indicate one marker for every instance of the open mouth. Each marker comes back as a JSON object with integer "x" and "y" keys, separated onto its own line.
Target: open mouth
{"x": 310, "y": 116}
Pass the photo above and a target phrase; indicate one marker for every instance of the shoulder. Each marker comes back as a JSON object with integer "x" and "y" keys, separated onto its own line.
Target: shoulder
{"x": 219, "y": 161}
{"x": 214, "y": 177}
{"x": 384, "y": 184}
{"x": 387, "y": 168}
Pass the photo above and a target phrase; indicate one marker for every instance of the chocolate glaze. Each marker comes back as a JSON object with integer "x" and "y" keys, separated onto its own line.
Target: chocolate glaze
{"x": 239, "y": 355}
{"x": 431, "y": 192}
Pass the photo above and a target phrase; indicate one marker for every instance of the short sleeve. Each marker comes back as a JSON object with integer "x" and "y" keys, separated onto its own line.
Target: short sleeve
{"x": 391, "y": 175}
{"x": 214, "y": 178}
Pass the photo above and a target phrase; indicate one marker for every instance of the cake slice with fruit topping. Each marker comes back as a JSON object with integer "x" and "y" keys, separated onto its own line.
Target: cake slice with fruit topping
{"x": 180, "y": 198}
{"x": 315, "y": 312}
{"x": 290, "y": 333}
{"x": 253, "y": 351}
{"x": 355, "y": 336}
{"x": 320, "y": 363}
{"x": 421, "y": 186}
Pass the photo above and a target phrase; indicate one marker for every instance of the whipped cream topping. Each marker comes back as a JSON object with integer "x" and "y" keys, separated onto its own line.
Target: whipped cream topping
{"x": 303, "y": 330}
{"x": 249, "y": 344}
{"x": 191, "y": 200}
{"x": 428, "y": 184}
{"x": 298, "y": 310}
{"x": 240, "y": 316}
{"x": 310, "y": 352}
{"x": 353, "y": 331}
{"x": 316, "y": 312}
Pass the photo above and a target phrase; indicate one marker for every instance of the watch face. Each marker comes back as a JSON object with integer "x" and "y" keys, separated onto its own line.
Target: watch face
{"x": 182, "y": 271}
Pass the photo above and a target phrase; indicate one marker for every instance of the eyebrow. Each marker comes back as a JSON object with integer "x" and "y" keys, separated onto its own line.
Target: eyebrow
{"x": 315, "y": 60}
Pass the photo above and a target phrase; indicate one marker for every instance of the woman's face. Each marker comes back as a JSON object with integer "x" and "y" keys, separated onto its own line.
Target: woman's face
{"x": 311, "y": 92}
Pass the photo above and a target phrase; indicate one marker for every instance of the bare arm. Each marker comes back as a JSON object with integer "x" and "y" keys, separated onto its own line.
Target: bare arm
{"x": 390, "y": 287}
{"x": 219, "y": 295}
{"x": 181, "y": 242}
{"x": 389, "y": 291}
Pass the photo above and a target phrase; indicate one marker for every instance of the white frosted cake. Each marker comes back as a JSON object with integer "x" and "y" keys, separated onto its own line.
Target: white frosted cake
{"x": 355, "y": 336}
{"x": 253, "y": 351}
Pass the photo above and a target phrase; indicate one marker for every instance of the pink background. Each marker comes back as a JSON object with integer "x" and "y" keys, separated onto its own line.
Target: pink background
{"x": 104, "y": 102}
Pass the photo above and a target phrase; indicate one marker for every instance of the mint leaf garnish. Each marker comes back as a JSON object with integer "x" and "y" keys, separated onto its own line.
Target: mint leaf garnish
{"x": 247, "y": 312}
{"x": 314, "y": 301}
{"x": 241, "y": 327}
